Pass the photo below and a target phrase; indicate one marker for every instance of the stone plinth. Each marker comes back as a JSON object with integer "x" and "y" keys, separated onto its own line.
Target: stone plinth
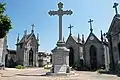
{"x": 3, "y": 50}
{"x": 60, "y": 59}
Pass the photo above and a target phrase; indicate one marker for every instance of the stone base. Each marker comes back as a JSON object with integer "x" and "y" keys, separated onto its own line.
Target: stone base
{"x": 60, "y": 59}
{"x": 60, "y": 74}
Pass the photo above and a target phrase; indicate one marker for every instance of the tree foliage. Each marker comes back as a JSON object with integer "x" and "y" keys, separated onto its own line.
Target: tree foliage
{"x": 5, "y": 22}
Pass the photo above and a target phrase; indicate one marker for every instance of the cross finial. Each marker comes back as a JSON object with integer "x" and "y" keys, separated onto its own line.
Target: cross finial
{"x": 101, "y": 36}
{"x": 115, "y": 6}
{"x": 37, "y": 37}
{"x": 90, "y": 21}
{"x": 33, "y": 25}
{"x": 82, "y": 38}
{"x": 70, "y": 29}
{"x": 60, "y": 5}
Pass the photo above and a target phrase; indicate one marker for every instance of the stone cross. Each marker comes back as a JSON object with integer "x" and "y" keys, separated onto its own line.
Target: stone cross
{"x": 115, "y": 6}
{"x": 70, "y": 29}
{"x": 90, "y": 21}
{"x": 33, "y": 25}
{"x": 60, "y": 13}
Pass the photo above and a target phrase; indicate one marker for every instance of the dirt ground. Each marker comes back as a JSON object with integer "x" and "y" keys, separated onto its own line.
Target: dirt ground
{"x": 38, "y": 74}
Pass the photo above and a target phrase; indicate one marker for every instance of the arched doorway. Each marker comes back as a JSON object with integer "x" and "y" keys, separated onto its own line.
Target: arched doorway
{"x": 119, "y": 50}
{"x": 71, "y": 57}
{"x": 31, "y": 57}
{"x": 93, "y": 58}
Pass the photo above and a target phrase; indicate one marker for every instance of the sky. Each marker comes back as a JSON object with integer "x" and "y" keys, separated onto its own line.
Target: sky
{"x": 24, "y": 13}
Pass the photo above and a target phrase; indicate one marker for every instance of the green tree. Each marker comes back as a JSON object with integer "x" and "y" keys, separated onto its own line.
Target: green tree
{"x": 5, "y": 22}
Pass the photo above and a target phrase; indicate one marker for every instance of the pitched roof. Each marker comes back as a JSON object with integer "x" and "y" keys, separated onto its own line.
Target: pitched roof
{"x": 27, "y": 38}
{"x": 74, "y": 38}
{"x": 23, "y": 38}
{"x": 115, "y": 18}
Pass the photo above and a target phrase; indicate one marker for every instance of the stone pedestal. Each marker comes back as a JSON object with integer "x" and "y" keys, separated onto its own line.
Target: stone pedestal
{"x": 60, "y": 58}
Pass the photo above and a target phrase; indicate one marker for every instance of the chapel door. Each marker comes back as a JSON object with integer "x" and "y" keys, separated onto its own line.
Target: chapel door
{"x": 71, "y": 57}
{"x": 31, "y": 57}
{"x": 93, "y": 58}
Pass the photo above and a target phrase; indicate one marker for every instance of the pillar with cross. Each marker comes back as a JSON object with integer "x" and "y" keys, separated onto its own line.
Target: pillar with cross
{"x": 70, "y": 27}
{"x": 60, "y": 13}
{"x": 115, "y": 6}
{"x": 90, "y": 21}
{"x": 60, "y": 57}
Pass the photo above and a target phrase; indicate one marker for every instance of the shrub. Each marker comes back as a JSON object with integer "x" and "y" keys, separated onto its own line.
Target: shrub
{"x": 5, "y": 22}
{"x": 19, "y": 67}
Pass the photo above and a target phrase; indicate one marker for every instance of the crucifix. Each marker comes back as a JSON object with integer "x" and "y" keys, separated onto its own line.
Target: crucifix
{"x": 70, "y": 29}
{"x": 33, "y": 25}
{"x": 115, "y": 6}
{"x": 60, "y": 13}
{"x": 90, "y": 21}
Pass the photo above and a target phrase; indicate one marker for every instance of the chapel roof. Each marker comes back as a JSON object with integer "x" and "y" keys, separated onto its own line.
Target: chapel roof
{"x": 115, "y": 19}
{"x": 28, "y": 36}
{"x": 74, "y": 38}
{"x": 11, "y": 51}
{"x": 23, "y": 38}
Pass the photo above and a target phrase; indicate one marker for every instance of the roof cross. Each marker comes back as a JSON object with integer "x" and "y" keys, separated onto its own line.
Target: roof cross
{"x": 70, "y": 29}
{"x": 115, "y": 6}
{"x": 90, "y": 21}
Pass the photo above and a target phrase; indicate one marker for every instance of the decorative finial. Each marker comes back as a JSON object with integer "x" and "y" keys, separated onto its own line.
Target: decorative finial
{"x": 63, "y": 39}
{"x": 33, "y": 26}
{"x": 60, "y": 5}
{"x": 83, "y": 38}
{"x": 37, "y": 37}
{"x": 101, "y": 36}
{"x": 104, "y": 36}
{"x": 78, "y": 38}
{"x": 70, "y": 29}
{"x": 18, "y": 38}
{"x": 115, "y": 6}
{"x": 90, "y": 21}
{"x": 25, "y": 32}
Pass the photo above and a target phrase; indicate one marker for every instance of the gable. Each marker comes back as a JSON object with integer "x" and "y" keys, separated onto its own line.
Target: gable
{"x": 28, "y": 37}
{"x": 32, "y": 39}
{"x": 92, "y": 39}
{"x": 70, "y": 40}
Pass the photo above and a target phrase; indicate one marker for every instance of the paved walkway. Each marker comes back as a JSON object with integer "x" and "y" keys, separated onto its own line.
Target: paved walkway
{"x": 36, "y": 74}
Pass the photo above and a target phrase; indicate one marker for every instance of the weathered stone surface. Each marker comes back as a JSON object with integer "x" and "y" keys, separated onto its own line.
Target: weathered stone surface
{"x": 60, "y": 59}
{"x": 3, "y": 50}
